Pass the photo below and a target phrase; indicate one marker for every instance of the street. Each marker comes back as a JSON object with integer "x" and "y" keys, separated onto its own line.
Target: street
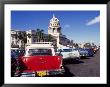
{"x": 85, "y": 67}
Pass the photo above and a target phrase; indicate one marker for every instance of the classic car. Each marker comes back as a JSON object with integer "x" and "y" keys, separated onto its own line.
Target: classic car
{"x": 90, "y": 52}
{"x": 13, "y": 62}
{"x": 85, "y": 52}
{"x": 95, "y": 49}
{"x": 40, "y": 60}
{"x": 69, "y": 53}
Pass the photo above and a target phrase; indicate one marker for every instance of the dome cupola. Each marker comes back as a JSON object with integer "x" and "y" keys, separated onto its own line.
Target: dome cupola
{"x": 54, "y": 22}
{"x": 54, "y": 26}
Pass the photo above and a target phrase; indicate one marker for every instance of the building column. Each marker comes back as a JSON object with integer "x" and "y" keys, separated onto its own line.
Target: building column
{"x": 58, "y": 45}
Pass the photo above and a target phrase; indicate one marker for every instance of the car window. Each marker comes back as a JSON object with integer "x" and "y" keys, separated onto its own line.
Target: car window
{"x": 67, "y": 50}
{"x": 75, "y": 49}
{"x": 34, "y": 52}
{"x": 59, "y": 50}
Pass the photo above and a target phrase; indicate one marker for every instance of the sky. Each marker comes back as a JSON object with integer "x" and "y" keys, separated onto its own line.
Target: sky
{"x": 79, "y": 26}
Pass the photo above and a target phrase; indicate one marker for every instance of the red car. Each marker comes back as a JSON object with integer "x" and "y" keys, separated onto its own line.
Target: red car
{"x": 40, "y": 60}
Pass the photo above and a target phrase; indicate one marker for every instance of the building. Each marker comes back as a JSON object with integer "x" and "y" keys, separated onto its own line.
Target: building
{"x": 31, "y": 36}
{"x": 54, "y": 35}
{"x": 54, "y": 29}
{"x": 34, "y": 36}
{"x": 16, "y": 39}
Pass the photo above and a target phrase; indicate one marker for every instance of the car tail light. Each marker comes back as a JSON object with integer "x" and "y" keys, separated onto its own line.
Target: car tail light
{"x": 24, "y": 59}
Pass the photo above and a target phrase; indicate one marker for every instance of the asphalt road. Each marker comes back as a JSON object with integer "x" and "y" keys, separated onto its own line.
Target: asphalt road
{"x": 85, "y": 67}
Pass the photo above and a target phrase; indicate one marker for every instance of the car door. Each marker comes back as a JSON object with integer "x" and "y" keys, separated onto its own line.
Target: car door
{"x": 75, "y": 53}
{"x": 66, "y": 53}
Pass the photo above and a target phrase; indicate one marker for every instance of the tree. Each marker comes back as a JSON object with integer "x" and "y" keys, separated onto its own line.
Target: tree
{"x": 49, "y": 38}
{"x": 24, "y": 38}
{"x": 15, "y": 35}
{"x": 71, "y": 43}
{"x": 40, "y": 35}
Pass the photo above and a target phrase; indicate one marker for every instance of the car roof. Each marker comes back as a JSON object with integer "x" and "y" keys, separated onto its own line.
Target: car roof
{"x": 40, "y": 46}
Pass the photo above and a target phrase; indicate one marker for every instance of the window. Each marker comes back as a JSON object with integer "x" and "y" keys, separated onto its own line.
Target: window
{"x": 67, "y": 50}
{"x": 75, "y": 49}
{"x": 53, "y": 29}
{"x": 34, "y": 52}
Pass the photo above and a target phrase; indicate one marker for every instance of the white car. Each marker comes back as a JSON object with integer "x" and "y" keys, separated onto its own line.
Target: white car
{"x": 69, "y": 53}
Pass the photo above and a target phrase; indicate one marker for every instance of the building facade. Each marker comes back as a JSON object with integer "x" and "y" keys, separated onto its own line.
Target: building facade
{"x": 54, "y": 35}
{"x": 16, "y": 39}
{"x": 54, "y": 29}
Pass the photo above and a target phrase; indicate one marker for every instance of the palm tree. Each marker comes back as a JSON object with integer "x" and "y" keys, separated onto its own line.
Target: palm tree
{"x": 49, "y": 38}
{"x": 40, "y": 35}
{"x": 24, "y": 39}
{"x": 16, "y": 35}
{"x": 37, "y": 34}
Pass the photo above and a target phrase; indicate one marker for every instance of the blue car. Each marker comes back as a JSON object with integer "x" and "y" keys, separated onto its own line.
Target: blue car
{"x": 83, "y": 52}
{"x": 90, "y": 52}
{"x": 86, "y": 52}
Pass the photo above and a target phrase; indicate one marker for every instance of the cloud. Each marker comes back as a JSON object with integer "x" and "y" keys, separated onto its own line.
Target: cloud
{"x": 66, "y": 26}
{"x": 94, "y": 21}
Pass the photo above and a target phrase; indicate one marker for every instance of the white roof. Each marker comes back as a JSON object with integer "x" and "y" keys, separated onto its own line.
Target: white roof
{"x": 63, "y": 47}
{"x": 41, "y": 45}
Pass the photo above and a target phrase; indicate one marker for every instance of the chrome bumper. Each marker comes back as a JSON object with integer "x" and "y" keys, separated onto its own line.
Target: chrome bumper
{"x": 49, "y": 73}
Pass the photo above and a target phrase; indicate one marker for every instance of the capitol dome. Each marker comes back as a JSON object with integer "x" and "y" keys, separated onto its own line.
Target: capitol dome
{"x": 54, "y": 27}
{"x": 54, "y": 21}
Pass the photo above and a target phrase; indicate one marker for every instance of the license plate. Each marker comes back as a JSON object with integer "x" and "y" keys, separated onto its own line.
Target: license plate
{"x": 41, "y": 73}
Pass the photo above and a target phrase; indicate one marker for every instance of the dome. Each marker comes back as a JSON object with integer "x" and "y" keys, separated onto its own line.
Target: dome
{"x": 54, "y": 22}
{"x": 54, "y": 19}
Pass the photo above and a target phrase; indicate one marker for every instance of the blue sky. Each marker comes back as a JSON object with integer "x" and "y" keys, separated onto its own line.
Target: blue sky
{"x": 80, "y": 26}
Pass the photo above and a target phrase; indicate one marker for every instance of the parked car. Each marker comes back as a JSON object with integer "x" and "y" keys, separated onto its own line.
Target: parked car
{"x": 40, "y": 60}
{"x": 13, "y": 62}
{"x": 18, "y": 51}
{"x": 95, "y": 49}
{"x": 90, "y": 52}
{"x": 85, "y": 52}
{"x": 69, "y": 53}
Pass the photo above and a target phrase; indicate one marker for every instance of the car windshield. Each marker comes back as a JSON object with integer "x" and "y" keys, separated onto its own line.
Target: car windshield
{"x": 75, "y": 49}
{"x": 67, "y": 50}
{"x": 81, "y": 49}
{"x": 33, "y": 52}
